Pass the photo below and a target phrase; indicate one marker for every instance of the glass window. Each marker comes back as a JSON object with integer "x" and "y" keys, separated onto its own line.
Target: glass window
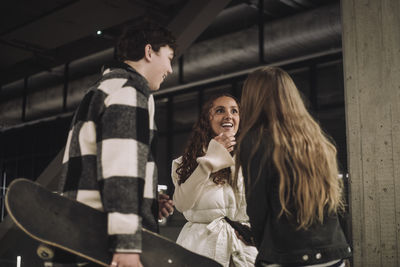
{"x": 179, "y": 143}
{"x": 209, "y": 92}
{"x": 162, "y": 161}
{"x": 185, "y": 111}
{"x": 161, "y": 114}
{"x": 301, "y": 78}
{"x": 330, "y": 84}
{"x": 333, "y": 122}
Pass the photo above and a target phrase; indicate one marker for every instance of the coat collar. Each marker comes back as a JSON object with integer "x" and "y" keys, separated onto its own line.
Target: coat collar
{"x": 122, "y": 69}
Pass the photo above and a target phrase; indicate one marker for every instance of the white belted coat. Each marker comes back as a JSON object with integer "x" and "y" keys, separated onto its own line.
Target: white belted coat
{"x": 205, "y": 204}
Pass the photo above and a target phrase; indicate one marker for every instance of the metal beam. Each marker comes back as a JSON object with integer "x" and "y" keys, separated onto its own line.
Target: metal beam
{"x": 193, "y": 19}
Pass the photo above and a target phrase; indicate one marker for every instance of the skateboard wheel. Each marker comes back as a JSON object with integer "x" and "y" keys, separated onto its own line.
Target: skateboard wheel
{"x": 45, "y": 252}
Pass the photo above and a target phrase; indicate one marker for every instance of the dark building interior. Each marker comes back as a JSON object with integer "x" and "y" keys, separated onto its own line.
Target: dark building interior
{"x": 51, "y": 51}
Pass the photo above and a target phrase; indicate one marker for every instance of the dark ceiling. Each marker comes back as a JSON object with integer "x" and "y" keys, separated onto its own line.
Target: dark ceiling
{"x": 41, "y": 34}
{"x": 38, "y": 35}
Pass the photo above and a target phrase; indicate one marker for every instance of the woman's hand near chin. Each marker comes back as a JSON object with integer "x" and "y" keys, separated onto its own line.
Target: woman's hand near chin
{"x": 227, "y": 139}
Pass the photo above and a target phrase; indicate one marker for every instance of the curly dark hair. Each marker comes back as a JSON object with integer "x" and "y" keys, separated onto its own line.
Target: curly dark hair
{"x": 131, "y": 43}
{"x": 201, "y": 135}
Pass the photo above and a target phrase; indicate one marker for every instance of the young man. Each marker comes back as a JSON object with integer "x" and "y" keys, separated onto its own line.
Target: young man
{"x": 108, "y": 162}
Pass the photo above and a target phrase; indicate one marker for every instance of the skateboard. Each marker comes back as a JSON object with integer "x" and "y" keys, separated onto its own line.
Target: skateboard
{"x": 75, "y": 228}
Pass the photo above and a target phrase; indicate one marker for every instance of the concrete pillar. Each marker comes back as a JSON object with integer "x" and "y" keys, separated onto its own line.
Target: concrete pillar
{"x": 371, "y": 51}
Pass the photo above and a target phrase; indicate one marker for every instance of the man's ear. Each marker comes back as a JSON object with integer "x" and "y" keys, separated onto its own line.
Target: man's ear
{"x": 148, "y": 52}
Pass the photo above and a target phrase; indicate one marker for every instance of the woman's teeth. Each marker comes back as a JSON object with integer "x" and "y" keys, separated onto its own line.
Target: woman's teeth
{"x": 227, "y": 125}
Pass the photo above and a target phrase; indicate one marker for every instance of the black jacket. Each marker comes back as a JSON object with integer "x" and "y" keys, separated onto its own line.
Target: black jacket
{"x": 277, "y": 240}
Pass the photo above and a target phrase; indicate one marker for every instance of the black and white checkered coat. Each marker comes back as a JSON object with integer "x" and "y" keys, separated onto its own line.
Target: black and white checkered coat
{"x": 108, "y": 162}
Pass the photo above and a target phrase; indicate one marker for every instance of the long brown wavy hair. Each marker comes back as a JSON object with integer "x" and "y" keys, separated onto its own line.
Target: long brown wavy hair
{"x": 201, "y": 135}
{"x": 302, "y": 154}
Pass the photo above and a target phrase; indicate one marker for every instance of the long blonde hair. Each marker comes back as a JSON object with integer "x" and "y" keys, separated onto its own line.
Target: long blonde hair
{"x": 302, "y": 154}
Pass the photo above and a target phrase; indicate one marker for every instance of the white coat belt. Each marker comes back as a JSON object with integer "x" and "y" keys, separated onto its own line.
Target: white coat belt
{"x": 225, "y": 233}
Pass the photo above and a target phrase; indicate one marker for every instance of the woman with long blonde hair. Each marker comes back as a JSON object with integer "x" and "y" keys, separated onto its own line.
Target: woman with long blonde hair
{"x": 292, "y": 187}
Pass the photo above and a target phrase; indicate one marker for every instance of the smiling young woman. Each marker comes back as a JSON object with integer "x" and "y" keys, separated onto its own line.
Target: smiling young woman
{"x": 224, "y": 116}
{"x": 205, "y": 191}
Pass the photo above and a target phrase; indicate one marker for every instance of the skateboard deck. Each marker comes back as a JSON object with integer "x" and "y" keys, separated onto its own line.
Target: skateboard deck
{"x": 81, "y": 230}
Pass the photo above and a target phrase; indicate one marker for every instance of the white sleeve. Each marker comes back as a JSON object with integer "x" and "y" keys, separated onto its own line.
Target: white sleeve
{"x": 187, "y": 193}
